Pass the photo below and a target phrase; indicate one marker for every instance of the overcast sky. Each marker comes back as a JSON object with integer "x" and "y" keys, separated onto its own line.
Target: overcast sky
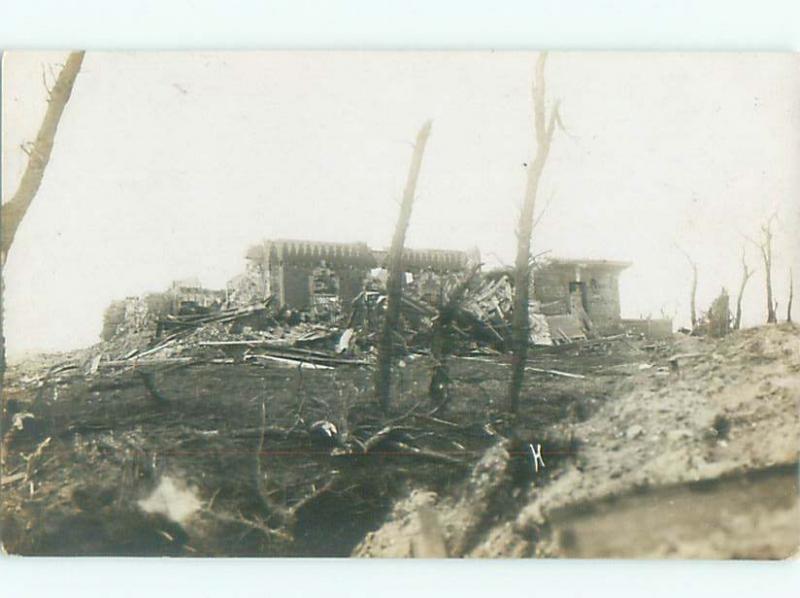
{"x": 168, "y": 165}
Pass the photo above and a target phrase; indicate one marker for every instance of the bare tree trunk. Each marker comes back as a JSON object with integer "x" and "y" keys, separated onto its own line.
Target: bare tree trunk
{"x": 791, "y": 297}
{"x": 693, "y": 297}
{"x": 14, "y": 210}
{"x": 693, "y": 292}
{"x": 544, "y": 128}
{"x": 772, "y": 317}
{"x": 746, "y": 274}
{"x": 766, "y": 254}
{"x": 394, "y": 284}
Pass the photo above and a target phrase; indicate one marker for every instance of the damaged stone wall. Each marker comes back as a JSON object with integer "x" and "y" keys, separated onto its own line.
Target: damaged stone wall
{"x": 142, "y": 313}
{"x": 559, "y": 286}
{"x": 290, "y": 271}
{"x": 249, "y": 287}
{"x": 134, "y": 314}
{"x": 603, "y": 296}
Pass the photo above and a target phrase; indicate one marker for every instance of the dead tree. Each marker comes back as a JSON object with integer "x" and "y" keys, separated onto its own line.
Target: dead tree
{"x": 693, "y": 295}
{"x": 544, "y": 127}
{"x": 14, "y": 210}
{"x": 791, "y": 297}
{"x": 394, "y": 283}
{"x": 693, "y": 292}
{"x": 765, "y": 247}
{"x": 746, "y": 274}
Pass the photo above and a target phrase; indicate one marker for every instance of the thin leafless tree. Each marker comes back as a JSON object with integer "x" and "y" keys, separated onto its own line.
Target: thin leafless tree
{"x": 791, "y": 297}
{"x": 395, "y": 272}
{"x": 544, "y": 127}
{"x": 746, "y": 274}
{"x": 13, "y": 211}
{"x": 693, "y": 292}
{"x": 764, "y": 245}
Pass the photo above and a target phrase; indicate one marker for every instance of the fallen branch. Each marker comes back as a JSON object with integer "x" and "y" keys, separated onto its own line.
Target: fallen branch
{"x": 305, "y": 501}
{"x": 555, "y": 373}
{"x": 531, "y": 368}
{"x": 441, "y": 421}
{"x": 382, "y": 434}
{"x": 115, "y": 363}
{"x": 427, "y": 454}
{"x": 308, "y": 358}
{"x": 34, "y": 457}
{"x": 290, "y": 361}
{"x": 267, "y": 531}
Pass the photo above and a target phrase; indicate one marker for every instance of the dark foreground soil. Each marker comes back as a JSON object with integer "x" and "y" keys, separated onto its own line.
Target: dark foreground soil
{"x": 213, "y": 459}
{"x": 94, "y": 448}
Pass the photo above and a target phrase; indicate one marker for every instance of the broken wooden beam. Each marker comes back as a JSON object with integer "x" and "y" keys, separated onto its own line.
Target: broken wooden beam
{"x": 292, "y": 362}
{"x": 555, "y": 373}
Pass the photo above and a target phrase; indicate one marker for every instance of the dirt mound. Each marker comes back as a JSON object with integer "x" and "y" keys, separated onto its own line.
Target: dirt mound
{"x": 694, "y": 455}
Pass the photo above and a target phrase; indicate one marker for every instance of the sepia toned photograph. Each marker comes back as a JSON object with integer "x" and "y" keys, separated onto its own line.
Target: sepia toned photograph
{"x": 400, "y": 304}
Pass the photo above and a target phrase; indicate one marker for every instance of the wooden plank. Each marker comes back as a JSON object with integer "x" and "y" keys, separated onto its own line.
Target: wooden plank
{"x": 555, "y": 373}
{"x": 292, "y": 362}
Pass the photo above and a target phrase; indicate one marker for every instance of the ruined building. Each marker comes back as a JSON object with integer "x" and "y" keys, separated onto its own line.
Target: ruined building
{"x": 320, "y": 281}
{"x": 587, "y": 291}
{"x": 188, "y": 295}
{"x": 425, "y": 268}
{"x": 307, "y": 275}
{"x": 323, "y": 277}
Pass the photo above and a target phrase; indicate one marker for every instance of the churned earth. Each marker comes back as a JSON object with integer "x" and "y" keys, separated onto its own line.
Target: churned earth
{"x": 680, "y": 448}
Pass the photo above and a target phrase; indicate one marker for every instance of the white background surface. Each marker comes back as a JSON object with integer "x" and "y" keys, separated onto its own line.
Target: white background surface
{"x": 186, "y": 24}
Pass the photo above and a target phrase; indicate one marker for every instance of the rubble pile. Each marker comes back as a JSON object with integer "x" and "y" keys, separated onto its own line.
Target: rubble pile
{"x": 263, "y": 333}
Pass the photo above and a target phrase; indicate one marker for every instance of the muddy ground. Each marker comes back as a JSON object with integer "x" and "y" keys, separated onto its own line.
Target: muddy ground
{"x": 648, "y": 455}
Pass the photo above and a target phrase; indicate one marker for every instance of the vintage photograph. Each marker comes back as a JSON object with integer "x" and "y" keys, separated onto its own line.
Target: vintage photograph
{"x": 400, "y": 304}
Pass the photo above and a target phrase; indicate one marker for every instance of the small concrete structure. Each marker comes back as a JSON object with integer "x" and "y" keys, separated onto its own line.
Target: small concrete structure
{"x": 582, "y": 287}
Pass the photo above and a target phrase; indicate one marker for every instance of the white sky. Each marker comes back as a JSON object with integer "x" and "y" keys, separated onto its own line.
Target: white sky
{"x": 168, "y": 165}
